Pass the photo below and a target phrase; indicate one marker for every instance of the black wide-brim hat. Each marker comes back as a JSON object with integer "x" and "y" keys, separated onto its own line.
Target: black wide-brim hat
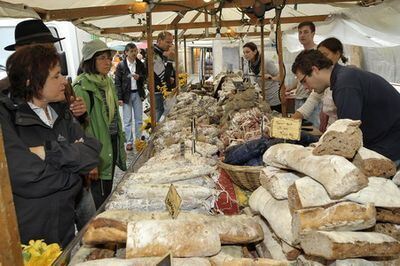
{"x": 30, "y": 32}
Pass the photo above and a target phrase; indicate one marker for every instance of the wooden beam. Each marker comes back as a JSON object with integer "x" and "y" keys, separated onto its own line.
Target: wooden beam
{"x": 177, "y": 87}
{"x": 199, "y": 25}
{"x": 262, "y": 63}
{"x": 10, "y": 245}
{"x": 191, "y": 21}
{"x": 150, "y": 70}
{"x": 178, "y": 17}
{"x": 226, "y": 35}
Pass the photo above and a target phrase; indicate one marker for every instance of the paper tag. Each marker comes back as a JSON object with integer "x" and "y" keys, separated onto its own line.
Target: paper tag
{"x": 173, "y": 201}
{"x": 165, "y": 261}
{"x": 286, "y": 128}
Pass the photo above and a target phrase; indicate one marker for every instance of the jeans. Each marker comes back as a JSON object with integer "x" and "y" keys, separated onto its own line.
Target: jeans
{"x": 85, "y": 208}
{"x": 159, "y": 106}
{"x": 134, "y": 103}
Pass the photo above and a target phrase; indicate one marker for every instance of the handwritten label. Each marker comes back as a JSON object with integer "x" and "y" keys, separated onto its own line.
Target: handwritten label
{"x": 165, "y": 261}
{"x": 286, "y": 128}
{"x": 173, "y": 201}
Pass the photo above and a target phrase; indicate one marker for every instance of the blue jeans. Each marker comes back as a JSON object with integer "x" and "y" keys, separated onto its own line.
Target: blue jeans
{"x": 159, "y": 106}
{"x": 134, "y": 103}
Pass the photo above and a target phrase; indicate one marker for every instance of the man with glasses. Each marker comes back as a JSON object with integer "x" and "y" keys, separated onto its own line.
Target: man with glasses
{"x": 358, "y": 95}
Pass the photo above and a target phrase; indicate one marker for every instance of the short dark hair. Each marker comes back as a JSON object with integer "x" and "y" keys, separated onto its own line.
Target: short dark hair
{"x": 309, "y": 58}
{"x": 28, "y": 69}
{"x": 307, "y": 24}
{"x": 334, "y": 45}
{"x": 129, "y": 46}
{"x": 89, "y": 66}
{"x": 162, "y": 35}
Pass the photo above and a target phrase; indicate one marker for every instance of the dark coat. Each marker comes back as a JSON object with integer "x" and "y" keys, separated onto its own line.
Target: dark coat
{"x": 44, "y": 191}
{"x": 123, "y": 80}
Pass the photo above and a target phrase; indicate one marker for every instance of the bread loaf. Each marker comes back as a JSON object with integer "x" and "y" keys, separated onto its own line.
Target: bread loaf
{"x": 342, "y": 245}
{"x": 276, "y": 212}
{"x": 388, "y": 215}
{"x": 183, "y": 238}
{"x": 338, "y": 176}
{"x": 392, "y": 230}
{"x": 277, "y": 181}
{"x": 151, "y": 261}
{"x": 396, "y": 178}
{"x": 343, "y": 138}
{"x": 372, "y": 163}
{"x": 343, "y": 216}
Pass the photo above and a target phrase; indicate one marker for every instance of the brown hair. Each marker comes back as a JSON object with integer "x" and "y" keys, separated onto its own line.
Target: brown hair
{"x": 307, "y": 24}
{"x": 307, "y": 59}
{"x": 28, "y": 69}
{"x": 334, "y": 45}
{"x": 162, "y": 35}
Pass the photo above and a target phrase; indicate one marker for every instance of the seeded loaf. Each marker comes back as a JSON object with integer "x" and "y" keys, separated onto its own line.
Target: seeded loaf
{"x": 343, "y": 138}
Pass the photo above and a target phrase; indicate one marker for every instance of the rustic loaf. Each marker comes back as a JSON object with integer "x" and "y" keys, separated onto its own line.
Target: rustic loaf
{"x": 306, "y": 192}
{"x": 277, "y": 181}
{"x": 396, "y": 178}
{"x": 271, "y": 242}
{"x": 183, "y": 238}
{"x": 344, "y": 216}
{"x": 111, "y": 226}
{"x": 364, "y": 262}
{"x": 372, "y": 163}
{"x": 276, "y": 212}
{"x": 392, "y": 230}
{"x": 339, "y": 176}
{"x": 254, "y": 262}
{"x": 343, "y": 138}
{"x": 342, "y": 245}
{"x": 388, "y": 215}
{"x": 151, "y": 261}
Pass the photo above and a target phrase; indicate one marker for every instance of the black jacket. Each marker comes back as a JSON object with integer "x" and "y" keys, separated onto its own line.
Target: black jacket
{"x": 44, "y": 191}
{"x": 123, "y": 80}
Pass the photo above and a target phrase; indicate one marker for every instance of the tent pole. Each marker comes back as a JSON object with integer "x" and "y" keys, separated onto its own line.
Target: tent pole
{"x": 150, "y": 69}
{"x": 10, "y": 244}
{"x": 184, "y": 53}
{"x": 262, "y": 62}
{"x": 176, "y": 62}
{"x": 282, "y": 89}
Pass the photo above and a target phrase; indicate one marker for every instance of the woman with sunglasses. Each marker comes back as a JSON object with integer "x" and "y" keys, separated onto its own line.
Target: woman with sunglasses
{"x": 332, "y": 48}
{"x": 104, "y": 123}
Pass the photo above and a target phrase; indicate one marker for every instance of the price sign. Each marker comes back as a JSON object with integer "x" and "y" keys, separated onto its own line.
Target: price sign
{"x": 173, "y": 201}
{"x": 286, "y": 128}
{"x": 165, "y": 261}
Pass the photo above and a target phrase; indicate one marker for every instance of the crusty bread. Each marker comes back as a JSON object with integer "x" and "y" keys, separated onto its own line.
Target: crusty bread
{"x": 342, "y": 245}
{"x": 277, "y": 181}
{"x": 373, "y": 164}
{"x": 343, "y": 138}
{"x": 388, "y": 215}
{"x": 183, "y": 238}
{"x": 343, "y": 216}
{"x": 339, "y": 176}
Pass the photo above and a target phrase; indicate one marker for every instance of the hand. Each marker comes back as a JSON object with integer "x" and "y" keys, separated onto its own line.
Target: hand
{"x": 135, "y": 76}
{"x": 297, "y": 115}
{"x": 39, "y": 151}
{"x": 120, "y": 103}
{"x": 77, "y": 106}
{"x": 171, "y": 80}
{"x": 93, "y": 174}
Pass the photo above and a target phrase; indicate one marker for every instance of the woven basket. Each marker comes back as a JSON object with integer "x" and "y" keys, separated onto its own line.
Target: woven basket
{"x": 246, "y": 177}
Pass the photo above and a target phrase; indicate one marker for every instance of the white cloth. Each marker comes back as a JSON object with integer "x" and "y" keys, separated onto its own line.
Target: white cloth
{"x": 48, "y": 120}
{"x": 132, "y": 69}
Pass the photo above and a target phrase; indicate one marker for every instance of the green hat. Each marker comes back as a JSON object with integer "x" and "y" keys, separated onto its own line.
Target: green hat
{"x": 92, "y": 47}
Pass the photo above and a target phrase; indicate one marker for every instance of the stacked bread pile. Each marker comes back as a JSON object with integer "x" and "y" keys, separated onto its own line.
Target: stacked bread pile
{"x": 333, "y": 204}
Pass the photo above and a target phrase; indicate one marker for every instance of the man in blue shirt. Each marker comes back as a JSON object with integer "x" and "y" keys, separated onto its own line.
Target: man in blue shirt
{"x": 358, "y": 95}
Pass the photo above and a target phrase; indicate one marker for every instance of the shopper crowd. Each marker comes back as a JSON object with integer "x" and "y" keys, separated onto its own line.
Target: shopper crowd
{"x": 63, "y": 142}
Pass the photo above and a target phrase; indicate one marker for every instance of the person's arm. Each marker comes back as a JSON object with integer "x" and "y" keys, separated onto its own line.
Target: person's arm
{"x": 56, "y": 170}
{"x": 118, "y": 82}
{"x": 311, "y": 103}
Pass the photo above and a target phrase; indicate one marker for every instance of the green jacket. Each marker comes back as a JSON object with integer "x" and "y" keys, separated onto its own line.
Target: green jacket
{"x": 98, "y": 125}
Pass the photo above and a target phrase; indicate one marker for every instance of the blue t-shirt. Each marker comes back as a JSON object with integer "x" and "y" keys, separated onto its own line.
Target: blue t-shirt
{"x": 365, "y": 96}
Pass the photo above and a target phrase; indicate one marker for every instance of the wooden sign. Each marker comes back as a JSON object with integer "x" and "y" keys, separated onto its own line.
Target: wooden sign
{"x": 173, "y": 201}
{"x": 286, "y": 128}
{"x": 165, "y": 261}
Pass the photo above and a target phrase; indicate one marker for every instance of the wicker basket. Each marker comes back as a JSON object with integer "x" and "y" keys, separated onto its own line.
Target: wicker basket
{"x": 246, "y": 177}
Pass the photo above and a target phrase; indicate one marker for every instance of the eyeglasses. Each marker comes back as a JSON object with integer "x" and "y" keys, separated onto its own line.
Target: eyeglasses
{"x": 303, "y": 80}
